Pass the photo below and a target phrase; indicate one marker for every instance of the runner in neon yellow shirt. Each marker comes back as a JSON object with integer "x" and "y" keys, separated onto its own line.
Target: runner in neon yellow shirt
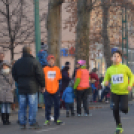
{"x": 118, "y": 75}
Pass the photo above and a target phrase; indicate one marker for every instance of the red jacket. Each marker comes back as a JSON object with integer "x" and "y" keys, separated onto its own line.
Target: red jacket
{"x": 95, "y": 76}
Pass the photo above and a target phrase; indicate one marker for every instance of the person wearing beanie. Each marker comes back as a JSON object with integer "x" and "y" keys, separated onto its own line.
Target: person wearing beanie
{"x": 7, "y": 86}
{"x": 52, "y": 77}
{"x": 65, "y": 81}
{"x": 81, "y": 86}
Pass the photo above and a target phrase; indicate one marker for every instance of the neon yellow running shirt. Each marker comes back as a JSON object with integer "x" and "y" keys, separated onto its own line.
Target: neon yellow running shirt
{"x": 118, "y": 76}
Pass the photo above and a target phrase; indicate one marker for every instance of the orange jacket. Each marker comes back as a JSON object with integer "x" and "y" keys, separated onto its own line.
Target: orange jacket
{"x": 84, "y": 81}
{"x": 52, "y": 77}
{"x": 83, "y": 74}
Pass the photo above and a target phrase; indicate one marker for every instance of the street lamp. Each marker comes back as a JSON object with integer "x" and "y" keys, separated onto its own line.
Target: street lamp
{"x": 37, "y": 27}
{"x": 124, "y": 35}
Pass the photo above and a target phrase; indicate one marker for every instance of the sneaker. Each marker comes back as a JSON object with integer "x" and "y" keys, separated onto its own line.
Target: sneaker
{"x": 67, "y": 114}
{"x": 106, "y": 101}
{"x": 22, "y": 126}
{"x": 51, "y": 118}
{"x": 119, "y": 129}
{"x": 79, "y": 115}
{"x": 58, "y": 122}
{"x": 47, "y": 122}
{"x": 34, "y": 126}
{"x": 87, "y": 114}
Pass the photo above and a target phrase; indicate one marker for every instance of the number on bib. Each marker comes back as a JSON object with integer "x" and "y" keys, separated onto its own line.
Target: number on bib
{"x": 51, "y": 74}
{"x": 116, "y": 79}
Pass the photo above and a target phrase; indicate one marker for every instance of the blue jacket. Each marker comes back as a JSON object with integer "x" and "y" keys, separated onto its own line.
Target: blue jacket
{"x": 68, "y": 95}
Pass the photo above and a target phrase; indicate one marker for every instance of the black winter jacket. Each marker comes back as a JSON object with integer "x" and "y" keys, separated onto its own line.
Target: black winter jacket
{"x": 28, "y": 74}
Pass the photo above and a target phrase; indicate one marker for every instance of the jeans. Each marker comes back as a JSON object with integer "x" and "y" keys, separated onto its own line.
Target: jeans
{"x": 105, "y": 92}
{"x": 49, "y": 99}
{"x": 5, "y": 108}
{"x": 32, "y": 101}
{"x": 95, "y": 93}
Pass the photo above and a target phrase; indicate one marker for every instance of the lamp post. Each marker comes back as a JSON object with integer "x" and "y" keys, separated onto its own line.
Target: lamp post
{"x": 37, "y": 27}
{"x": 124, "y": 35}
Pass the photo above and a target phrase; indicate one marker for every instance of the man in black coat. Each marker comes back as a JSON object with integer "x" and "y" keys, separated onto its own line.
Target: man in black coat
{"x": 28, "y": 74}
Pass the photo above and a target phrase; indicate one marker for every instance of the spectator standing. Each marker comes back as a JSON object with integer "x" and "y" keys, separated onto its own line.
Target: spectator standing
{"x": 82, "y": 86}
{"x": 7, "y": 87}
{"x": 94, "y": 77}
{"x": 28, "y": 74}
{"x": 52, "y": 78}
{"x": 65, "y": 81}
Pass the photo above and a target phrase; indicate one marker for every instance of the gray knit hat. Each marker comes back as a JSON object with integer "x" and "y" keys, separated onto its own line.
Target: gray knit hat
{"x": 5, "y": 62}
{"x": 44, "y": 47}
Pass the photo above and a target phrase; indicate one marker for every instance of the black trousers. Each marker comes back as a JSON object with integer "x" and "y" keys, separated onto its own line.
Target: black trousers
{"x": 49, "y": 99}
{"x": 120, "y": 102}
{"x": 70, "y": 106}
{"x": 82, "y": 97}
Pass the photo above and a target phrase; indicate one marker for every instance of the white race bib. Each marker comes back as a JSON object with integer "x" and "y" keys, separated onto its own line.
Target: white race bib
{"x": 116, "y": 79}
{"x": 51, "y": 74}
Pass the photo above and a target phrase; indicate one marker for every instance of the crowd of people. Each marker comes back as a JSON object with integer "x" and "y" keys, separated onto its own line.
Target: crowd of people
{"x": 26, "y": 77}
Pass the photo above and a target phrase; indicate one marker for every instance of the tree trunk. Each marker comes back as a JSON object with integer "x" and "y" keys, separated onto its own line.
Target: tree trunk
{"x": 82, "y": 34}
{"x": 106, "y": 41}
{"x": 12, "y": 51}
{"x": 53, "y": 28}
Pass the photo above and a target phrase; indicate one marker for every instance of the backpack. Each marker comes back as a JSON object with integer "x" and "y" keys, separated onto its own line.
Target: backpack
{"x": 42, "y": 55}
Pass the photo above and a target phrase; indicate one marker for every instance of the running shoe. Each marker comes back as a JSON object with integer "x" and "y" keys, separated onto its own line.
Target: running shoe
{"x": 119, "y": 129}
{"x": 59, "y": 122}
{"x": 47, "y": 122}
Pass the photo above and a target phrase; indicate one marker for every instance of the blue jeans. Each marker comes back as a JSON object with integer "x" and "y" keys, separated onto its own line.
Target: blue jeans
{"x": 105, "y": 92}
{"x": 5, "y": 108}
{"x": 32, "y": 101}
{"x": 95, "y": 94}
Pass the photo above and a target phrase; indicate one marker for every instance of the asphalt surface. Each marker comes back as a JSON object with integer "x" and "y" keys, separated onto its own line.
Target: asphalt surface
{"x": 101, "y": 122}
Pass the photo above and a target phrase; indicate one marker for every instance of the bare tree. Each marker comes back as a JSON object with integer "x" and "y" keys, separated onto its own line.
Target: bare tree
{"x": 106, "y": 41}
{"x": 84, "y": 7}
{"x": 53, "y": 28}
{"x": 15, "y": 25}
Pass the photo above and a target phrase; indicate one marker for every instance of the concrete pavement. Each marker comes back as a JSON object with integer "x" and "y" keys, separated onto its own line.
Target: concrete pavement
{"x": 101, "y": 122}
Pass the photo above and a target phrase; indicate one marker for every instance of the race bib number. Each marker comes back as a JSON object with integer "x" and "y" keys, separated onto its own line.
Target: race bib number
{"x": 51, "y": 74}
{"x": 116, "y": 79}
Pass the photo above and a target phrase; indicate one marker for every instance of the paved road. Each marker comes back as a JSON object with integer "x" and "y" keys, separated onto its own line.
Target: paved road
{"x": 101, "y": 122}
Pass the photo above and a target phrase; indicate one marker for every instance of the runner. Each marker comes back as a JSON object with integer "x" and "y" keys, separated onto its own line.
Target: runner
{"x": 52, "y": 77}
{"x": 118, "y": 75}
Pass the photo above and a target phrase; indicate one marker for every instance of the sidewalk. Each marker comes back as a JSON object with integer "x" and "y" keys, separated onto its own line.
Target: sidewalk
{"x": 92, "y": 106}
